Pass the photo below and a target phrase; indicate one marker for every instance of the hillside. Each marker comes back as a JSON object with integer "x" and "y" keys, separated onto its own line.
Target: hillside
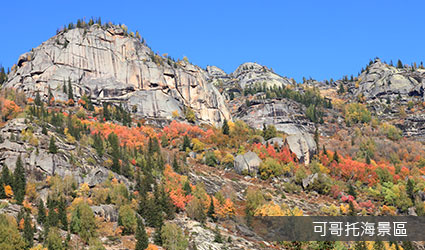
{"x": 106, "y": 145}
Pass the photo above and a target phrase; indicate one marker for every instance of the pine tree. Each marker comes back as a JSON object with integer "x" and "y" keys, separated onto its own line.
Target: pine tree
{"x": 211, "y": 210}
{"x": 19, "y": 181}
{"x": 142, "y": 240}
{"x": 225, "y": 128}
{"x": 410, "y": 189}
{"x": 50, "y": 95}
{"x": 187, "y": 188}
{"x": 2, "y": 193}
{"x": 352, "y": 191}
{"x": 53, "y": 149}
{"x": 37, "y": 100}
{"x": 5, "y": 176}
{"x": 336, "y": 157}
{"x": 106, "y": 113}
{"x": 64, "y": 87}
{"x": 41, "y": 215}
{"x": 70, "y": 93}
{"x": 28, "y": 231}
{"x": 176, "y": 166}
{"x": 399, "y": 64}
{"x": 62, "y": 213}
{"x": 186, "y": 143}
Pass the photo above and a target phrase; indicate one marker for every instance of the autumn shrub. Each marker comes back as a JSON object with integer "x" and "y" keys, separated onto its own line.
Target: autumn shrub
{"x": 254, "y": 199}
{"x": 195, "y": 210}
{"x": 270, "y": 168}
{"x": 390, "y": 131}
{"x": 355, "y": 113}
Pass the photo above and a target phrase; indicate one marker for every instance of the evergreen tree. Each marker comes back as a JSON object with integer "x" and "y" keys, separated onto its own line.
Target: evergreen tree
{"x": 410, "y": 189}
{"x": 5, "y": 176}
{"x": 70, "y": 93}
{"x": 367, "y": 160}
{"x": 37, "y": 100}
{"x": 399, "y": 64}
{"x": 64, "y": 87}
{"x": 50, "y": 95}
{"x": 2, "y": 193}
{"x": 407, "y": 245}
{"x": 187, "y": 188}
{"x": 19, "y": 181}
{"x": 225, "y": 128}
{"x": 186, "y": 143}
{"x": 336, "y": 157}
{"x": 53, "y": 217}
{"x": 98, "y": 144}
{"x": 28, "y": 231}
{"x": 106, "y": 113}
{"x": 62, "y": 213}
{"x": 44, "y": 129}
{"x": 352, "y": 191}
{"x": 41, "y": 215}
{"x": 142, "y": 240}
{"x": 176, "y": 166}
{"x": 211, "y": 210}
{"x": 53, "y": 149}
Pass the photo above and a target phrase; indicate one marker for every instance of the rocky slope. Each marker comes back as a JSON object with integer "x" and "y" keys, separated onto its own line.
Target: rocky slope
{"x": 108, "y": 65}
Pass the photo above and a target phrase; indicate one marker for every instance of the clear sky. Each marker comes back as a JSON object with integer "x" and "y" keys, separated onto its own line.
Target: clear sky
{"x": 318, "y": 39}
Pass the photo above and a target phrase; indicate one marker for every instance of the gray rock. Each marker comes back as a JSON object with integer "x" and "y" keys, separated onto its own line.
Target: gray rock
{"x": 276, "y": 140}
{"x": 247, "y": 163}
{"x": 307, "y": 181}
{"x": 108, "y": 212}
{"x": 249, "y": 73}
{"x": 108, "y": 66}
{"x": 411, "y": 211}
{"x": 302, "y": 145}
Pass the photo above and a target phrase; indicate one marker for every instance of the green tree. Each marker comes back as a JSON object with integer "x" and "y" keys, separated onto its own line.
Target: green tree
{"x": 19, "y": 181}
{"x": 6, "y": 178}
{"x": 54, "y": 240}
{"x": 186, "y": 143}
{"x": 211, "y": 210}
{"x": 62, "y": 213}
{"x": 53, "y": 149}
{"x": 28, "y": 231}
{"x": 70, "y": 92}
{"x": 269, "y": 132}
{"x": 410, "y": 189}
{"x": 83, "y": 221}
{"x": 399, "y": 64}
{"x": 225, "y": 128}
{"x": 173, "y": 237}
{"x": 378, "y": 245}
{"x": 10, "y": 239}
{"x": 127, "y": 219}
{"x": 190, "y": 115}
{"x": 142, "y": 240}
{"x": 41, "y": 215}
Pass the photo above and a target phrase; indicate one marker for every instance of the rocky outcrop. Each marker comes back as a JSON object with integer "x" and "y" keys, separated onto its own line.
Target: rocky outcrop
{"x": 247, "y": 163}
{"x": 287, "y": 116}
{"x": 107, "y": 212}
{"x": 106, "y": 65}
{"x": 381, "y": 80}
{"x": 249, "y": 73}
{"x": 302, "y": 145}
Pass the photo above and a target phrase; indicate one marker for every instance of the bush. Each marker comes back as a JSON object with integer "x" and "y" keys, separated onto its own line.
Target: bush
{"x": 173, "y": 237}
{"x": 211, "y": 159}
{"x": 390, "y": 131}
{"x": 270, "y": 168}
{"x": 127, "y": 219}
{"x": 355, "y": 113}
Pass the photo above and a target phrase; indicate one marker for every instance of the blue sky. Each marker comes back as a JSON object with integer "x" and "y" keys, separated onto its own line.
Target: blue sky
{"x": 318, "y": 39}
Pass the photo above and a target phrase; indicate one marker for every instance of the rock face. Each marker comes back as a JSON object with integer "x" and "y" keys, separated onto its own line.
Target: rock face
{"x": 107, "y": 65}
{"x": 287, "y": 116}
{"x": 250, "y": 73}
{"x": 384, "y": 81}
{"x": 247, "y": 163}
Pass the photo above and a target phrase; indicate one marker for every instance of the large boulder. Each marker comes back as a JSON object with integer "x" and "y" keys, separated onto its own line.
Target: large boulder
{"x": 247, "y": 163}
{"x": 107, "y": 65}
{"x": 302, "y": 145}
